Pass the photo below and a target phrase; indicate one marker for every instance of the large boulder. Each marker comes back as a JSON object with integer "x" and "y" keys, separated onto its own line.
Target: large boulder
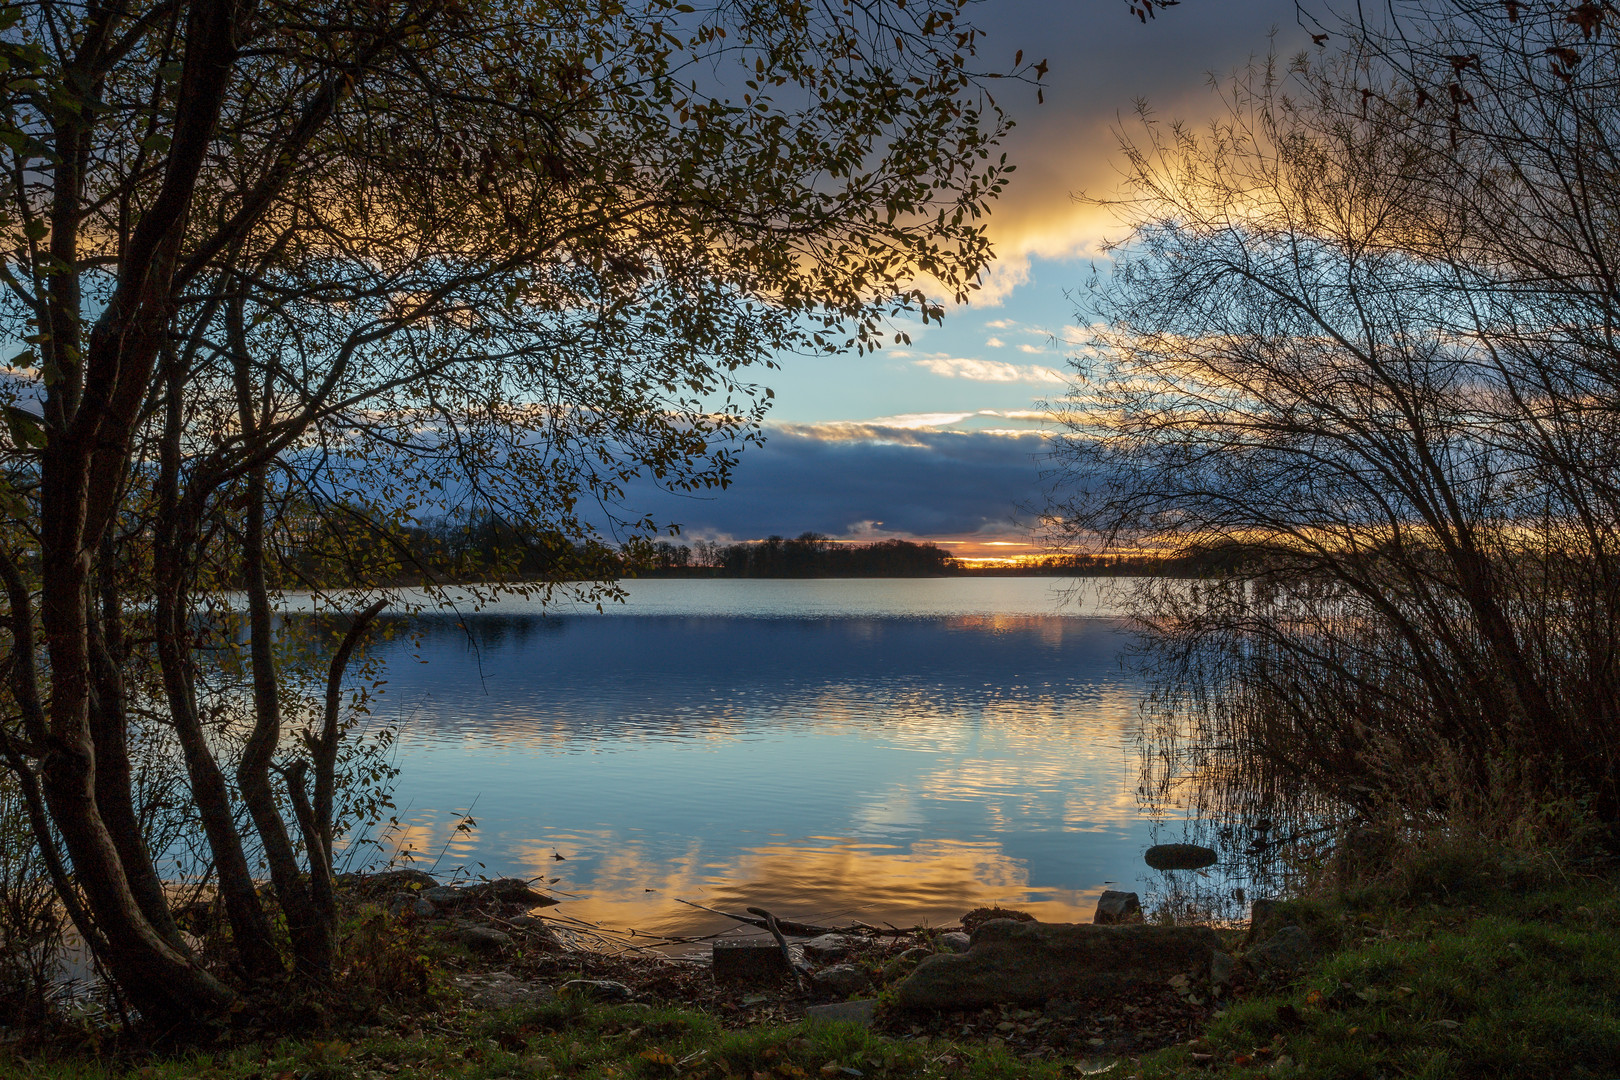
{"x": 1030, "y": 963}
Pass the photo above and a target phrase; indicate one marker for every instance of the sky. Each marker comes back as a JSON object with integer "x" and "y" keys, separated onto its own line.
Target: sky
{"x": 942, "y": 440}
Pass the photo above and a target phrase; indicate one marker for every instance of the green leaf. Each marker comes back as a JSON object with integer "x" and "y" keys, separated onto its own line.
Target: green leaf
{"x": 26, "y": 428}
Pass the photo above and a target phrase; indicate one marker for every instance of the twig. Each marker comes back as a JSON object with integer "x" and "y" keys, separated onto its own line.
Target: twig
{"x": 787, "y": 954}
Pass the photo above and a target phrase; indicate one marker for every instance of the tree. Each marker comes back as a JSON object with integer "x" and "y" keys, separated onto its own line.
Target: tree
{"x": 370, "y": 261}
{"x": 1362, "y": 331}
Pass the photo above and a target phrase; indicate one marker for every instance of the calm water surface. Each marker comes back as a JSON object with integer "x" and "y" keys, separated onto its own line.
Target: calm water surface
{"x": 884, "y": 750}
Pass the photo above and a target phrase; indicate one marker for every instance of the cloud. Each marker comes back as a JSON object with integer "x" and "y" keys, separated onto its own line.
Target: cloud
{"x": 995, "y": 343}
{"x": 841, "y": 478}
{"x": 1101, "y": 61}
{"x": 993, "y": 371}
{"x": 920, "y": 420}
{"x": 1034, "y": 350}
{"x": 1017, "y": 414}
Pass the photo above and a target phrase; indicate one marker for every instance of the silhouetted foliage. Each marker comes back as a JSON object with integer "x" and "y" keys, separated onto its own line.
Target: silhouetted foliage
{"x": 1363, "y": 332}
{"x": 289, "y": 278}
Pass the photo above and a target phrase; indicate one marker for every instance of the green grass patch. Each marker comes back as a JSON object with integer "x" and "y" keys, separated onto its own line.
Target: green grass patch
{"x": 1521, "y": 984}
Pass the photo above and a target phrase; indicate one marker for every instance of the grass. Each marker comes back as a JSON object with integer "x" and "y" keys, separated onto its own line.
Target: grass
{"x": 1520, "y": 981}
{"x": 1517, "y": 984}
{"x": 570, "y": 1039}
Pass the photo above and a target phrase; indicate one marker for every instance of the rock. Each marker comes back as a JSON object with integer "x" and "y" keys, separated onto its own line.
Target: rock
{"x": 498, "y": 989}
{"x": 953, "y": 942}
{"x": 1220, "y": 968}
{"x": 830, "y": 947}
{"x": 843, "y": 1012}
{"x": 596, "y": 989}
{"x": 507, "y": 891}
{"x": 896, "y": 966}
{"x": 444, "y": 896}
{"x": 979, "y": 916}
{"x": 1179, "y": 856}
{"x": 840, "y": 980}
{"x": 1030, "y": 963}
{"x": 1261, "y": 912}
{"x": 749, "y": 960}
{"x": 411, "y": 904}
{"x": 536, "y": 933}
{"x": 1287, "y": 950}
{"x": 392, "y": 880}
{"x": 484, "y": 939}
{"x": 1117, "y": 907}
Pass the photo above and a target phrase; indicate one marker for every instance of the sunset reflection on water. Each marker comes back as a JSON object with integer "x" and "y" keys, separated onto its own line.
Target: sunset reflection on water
{"x": 890, "y": 769}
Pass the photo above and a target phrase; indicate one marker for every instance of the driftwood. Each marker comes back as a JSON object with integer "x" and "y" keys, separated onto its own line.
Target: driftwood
{"x": 787, "y": 954}
{"x": 799, "y": 929}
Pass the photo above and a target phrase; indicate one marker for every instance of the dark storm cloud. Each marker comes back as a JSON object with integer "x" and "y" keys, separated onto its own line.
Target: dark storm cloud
{"x": 843, "y": 479}
{"x": 1101, "y": 62}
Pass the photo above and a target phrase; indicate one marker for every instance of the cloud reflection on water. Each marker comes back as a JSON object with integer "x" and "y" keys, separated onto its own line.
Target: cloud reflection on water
{"x": 900, "y": 769}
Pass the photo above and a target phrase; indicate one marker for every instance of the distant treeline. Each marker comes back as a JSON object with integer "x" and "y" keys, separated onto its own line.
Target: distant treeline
{"x": 344, "y": 550}
{"x": 814, "y": 555}
{"x": 808, "y": 555}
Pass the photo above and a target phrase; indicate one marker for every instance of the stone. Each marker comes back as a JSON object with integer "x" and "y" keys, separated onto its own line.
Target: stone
{"x": 1031, "y": 963}
{"x": 507, "y": 891}
{"x": 843, "y": 1012}
{"x": 840, "y": 980}
{"x": 391, "y": 880}
{"x": 498, "y": 989}
{"x": 422, "y": 909}
{"x": 1179, "y": 856}
{"x": 749, "y": 960}
{"x": 830, "y": 947}
{"x": 1261, "y": 912}
{"x": 979, "y": 916}
{"x": 896, "y": 966}
{"x": 596, "y": 989}
{"x": 484, "y": 939}
{"x": 1117, "y": 907}
{"x": 399, "y": 903}
{"x": 1220, "y": 968}
{"x": 953, "y": 942}
{"x": 1287, "y": 950}
{"x": 444, "y": 896}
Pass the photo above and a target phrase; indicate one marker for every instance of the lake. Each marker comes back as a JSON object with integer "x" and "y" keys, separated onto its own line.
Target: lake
{"x": 885, "y": 750}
